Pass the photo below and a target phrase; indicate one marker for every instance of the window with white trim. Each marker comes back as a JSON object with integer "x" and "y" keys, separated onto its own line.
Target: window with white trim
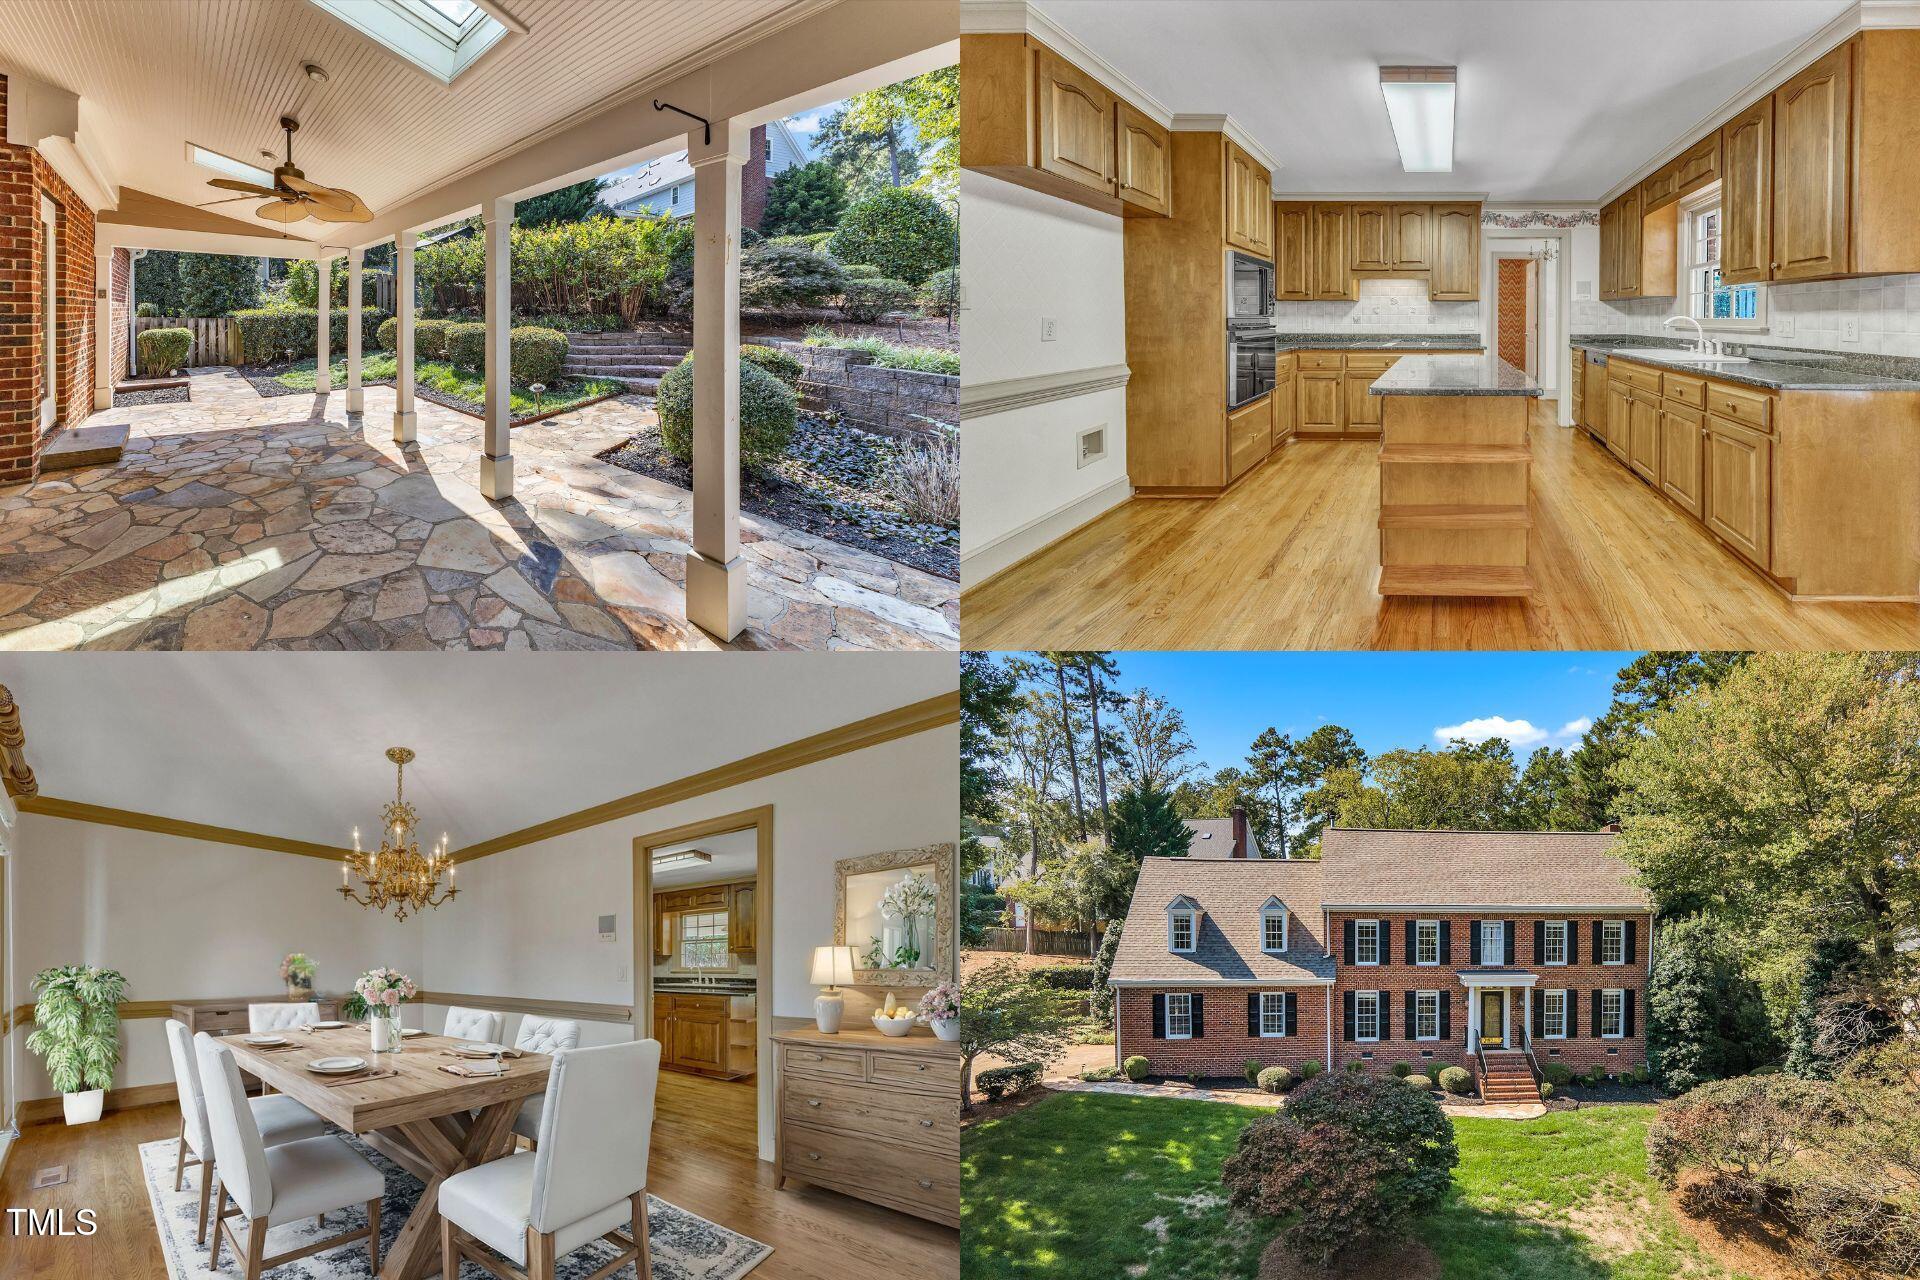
{"x": 673, "y": 196}
{"x": 1715, "y": 304}
{"x": 1426, "y": 942}
{"x": 1613, "y": 942}
{"x": 1553, "y": 1015}
{"x": 1366, "y": 942}
{"x": 703, "y": 940}
{"x": 1273, "y": 929}
{"x": 1613, "y": 1015}
{"x": 1493, "y": 942}
{"x": 1273, "y": 1013}
{"x": 1366, "y": 1015}
{"x": 1426, "y": 1015}
{"x": 1180, "y": 1017}
{"x": 1555, "y": 943}
{"x": 1182, "y": 927}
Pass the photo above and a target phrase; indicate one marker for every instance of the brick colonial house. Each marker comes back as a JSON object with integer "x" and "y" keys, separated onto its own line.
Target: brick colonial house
{"x": 1497, "y": 951}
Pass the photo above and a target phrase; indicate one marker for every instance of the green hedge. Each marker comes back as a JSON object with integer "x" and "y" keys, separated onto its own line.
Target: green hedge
{"x": 1135, "y": 1067}
{"x": 161, "y": 351}
{"x": 1063, "y": 977}
{"x": 768, "y": 411}
{"x": 779, "y": 363}
{"x": 1455, "y": 1080}
{"x": 905, "y": 233}
{"x": 536, "y": 355}
{"x": 865, "y": 301}
{"x": 1004, "y": 1080}
{"x": 467, "y": 344}
{"x": 267, "y": 333}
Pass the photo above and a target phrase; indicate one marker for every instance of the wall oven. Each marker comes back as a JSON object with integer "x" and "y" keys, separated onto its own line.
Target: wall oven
{"x": 1250, "y": 365}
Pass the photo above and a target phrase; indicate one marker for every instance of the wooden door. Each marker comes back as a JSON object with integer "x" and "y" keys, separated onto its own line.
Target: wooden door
{"x": 1332, "y": 277}
{"x": 740, "y": 920}
{"x": 1739, "y": 487}
{"x": 1493, "y": 1016}
{"x": 1143, "y": 162}
{"x": 1372, "y": 237}
{"x": 1456, "y": 253}
{"x": 1283, "y": 410}
{"x": 1746, "y": 195}
{"x": 1293, "y": 252}
{"x": 1413, "y": 237}
{"x": 1812, "y": 169}
{"x": 1073, "y": 120}
{"x": 1320, "y": 401}
{"x": 1643, "y": 437}
{"x": 1683, "y": 432}
{"x": 1363, "y": 408}
{"x": 1626, "y": 267}
{"x": 1698, "y": 165}
{"x": 1619, "y": 417}
{"x": 1259, "y": 197}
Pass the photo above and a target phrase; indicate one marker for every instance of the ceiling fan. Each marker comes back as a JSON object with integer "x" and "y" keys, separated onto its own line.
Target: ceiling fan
{"x": 291, "y": 197}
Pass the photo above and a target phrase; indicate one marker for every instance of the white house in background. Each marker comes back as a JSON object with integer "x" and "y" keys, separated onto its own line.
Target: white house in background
{"x": 664, "y": 187}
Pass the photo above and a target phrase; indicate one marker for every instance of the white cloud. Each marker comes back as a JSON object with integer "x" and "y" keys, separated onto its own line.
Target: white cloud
{"x": 1574, "y": 728}
{"x": 1521, "y": 733}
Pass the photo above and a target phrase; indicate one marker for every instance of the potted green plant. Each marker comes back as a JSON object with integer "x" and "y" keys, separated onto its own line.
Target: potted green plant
{"x": 76, "y": 1015}
{"x": 297, "y": 972}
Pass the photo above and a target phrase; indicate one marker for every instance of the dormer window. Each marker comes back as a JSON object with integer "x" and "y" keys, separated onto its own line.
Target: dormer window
{"x": 1273, "y": 926}
{"x": 1183, "y": 924}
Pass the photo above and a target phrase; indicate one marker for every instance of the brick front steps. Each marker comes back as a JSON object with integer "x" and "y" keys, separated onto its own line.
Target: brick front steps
{"x": 638, "y": 359}
{"x": 1508, "y": 1078}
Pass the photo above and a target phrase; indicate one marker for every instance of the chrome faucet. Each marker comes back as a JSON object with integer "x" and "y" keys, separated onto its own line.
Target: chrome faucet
{"x": 1699, "y": 335}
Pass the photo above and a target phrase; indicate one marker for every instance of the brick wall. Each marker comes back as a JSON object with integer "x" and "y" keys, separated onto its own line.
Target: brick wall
{"x": 1583, "y": 1052}
{"x": 24, "y": 378}
{"x": 119, "y": 282}
{"x": 1510, "y": 311}
{"x": 1224, "y": 1045}
{"x": 897, "y": 402}
{"x": 753, "y": 181}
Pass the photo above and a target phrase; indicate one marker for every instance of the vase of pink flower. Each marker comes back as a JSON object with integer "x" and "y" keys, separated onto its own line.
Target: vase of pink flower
{"x": 941, "y": 1009}
{"x": 383, "y": 991}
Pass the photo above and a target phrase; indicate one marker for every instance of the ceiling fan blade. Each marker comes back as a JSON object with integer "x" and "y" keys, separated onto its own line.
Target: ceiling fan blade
{"x": 321, "y": 213}
{"x": 229, "y": 200}
{"x": 234, "y": 184}
{"x": 282, "y": 211}
{"x": 328, "y": 196}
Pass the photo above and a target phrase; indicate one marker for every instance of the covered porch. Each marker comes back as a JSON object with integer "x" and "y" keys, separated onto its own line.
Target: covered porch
{"x": 1499, "y": 1009}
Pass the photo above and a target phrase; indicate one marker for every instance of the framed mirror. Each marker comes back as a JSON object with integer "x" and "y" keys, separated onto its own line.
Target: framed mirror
{"x": 896, "y": 910}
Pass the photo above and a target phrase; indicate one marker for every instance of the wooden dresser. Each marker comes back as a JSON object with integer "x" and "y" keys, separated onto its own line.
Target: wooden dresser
{"x": 224, "y": 1017}
{"x": 872, "y": 1116}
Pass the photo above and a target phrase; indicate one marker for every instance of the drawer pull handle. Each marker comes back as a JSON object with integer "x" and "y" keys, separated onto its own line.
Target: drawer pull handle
{"x": 926, "y": 1124}
{"x": 926, "y": 1184}
{"x": 813, "y": 1155}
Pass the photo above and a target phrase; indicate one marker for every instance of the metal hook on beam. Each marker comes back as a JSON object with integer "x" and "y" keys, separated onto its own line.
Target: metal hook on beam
{"x": 705, "y": 124}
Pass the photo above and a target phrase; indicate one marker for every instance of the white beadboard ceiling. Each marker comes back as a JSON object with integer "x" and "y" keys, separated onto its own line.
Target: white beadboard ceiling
{"x": 155, "y": 74}
{"x": 1558, "y": 99}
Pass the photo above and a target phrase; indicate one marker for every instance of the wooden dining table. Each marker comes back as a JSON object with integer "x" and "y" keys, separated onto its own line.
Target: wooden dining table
{"x": 428, "y": 1121}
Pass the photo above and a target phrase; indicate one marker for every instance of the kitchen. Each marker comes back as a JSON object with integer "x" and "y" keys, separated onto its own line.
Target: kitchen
{"x": 1699, "y": 290}
{"x": 705, "y": 956}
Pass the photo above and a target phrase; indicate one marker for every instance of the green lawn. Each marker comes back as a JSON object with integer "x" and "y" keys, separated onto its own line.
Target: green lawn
{"x": 1087, "y": 1186}
{"x": 467, "y": 384}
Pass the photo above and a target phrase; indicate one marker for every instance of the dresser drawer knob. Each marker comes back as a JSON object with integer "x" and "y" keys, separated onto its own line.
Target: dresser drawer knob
{"x": 813, "y": 1102}
{"x": 926, "y": 1124}
{"x": 926, "y": 1184}
{"x": 813, "y": 1155}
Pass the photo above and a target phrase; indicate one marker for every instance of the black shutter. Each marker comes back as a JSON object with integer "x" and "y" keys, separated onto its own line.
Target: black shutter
{"x": 1385, "y": 1006}
{"x": 1253, "y": 1013}
{"x": 1386, "y": 941}
{"x": 1598, "y": 954}
{"x": 1473, "y": 942}
{"x": 1346, "y": 931}
{"x": 1632, "y": 944}
{"x": 1292, "y": 1023}
{"x": 1573, "y": 1011}
{"x": 1446, "y": 942}
{"x": 1629, "y": 1009}
{"x": 1199, "y": 1017}
{"x": 1446, "y": 1014}
{"x": 1506, "y": 932}
{"x": 1413, "y": 1023}
{"x": 1573, "y": 943}
{"x": 1346, "y": 1005}
{"x": 1539, "y": 1012}
{"x": 1598, "y": 1026}
{"x": 1413, "y": 952}
{"x": 1539, "y": 942}
{"x": 1159, "y": 1016}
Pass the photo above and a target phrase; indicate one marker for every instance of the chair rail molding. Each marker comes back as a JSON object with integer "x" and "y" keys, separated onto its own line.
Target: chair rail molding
{"x": 985, "y": 398}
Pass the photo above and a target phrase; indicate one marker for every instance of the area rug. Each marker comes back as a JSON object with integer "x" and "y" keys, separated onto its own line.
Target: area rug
{"x": 685, "y": 1246}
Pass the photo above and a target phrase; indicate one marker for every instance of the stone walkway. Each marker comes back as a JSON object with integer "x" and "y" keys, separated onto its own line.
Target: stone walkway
{"x": 241, "y": 522}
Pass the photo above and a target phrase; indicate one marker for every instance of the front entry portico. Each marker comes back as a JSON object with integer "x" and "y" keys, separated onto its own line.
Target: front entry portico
{"x": 1499, "y": 1013}
{"x": 1493, "y": 1016}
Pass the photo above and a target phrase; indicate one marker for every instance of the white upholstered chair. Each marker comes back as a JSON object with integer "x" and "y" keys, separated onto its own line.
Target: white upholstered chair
{"x": 541, "y": 1035}
{"x": 588, "y": 1177}
{"x": 285, "y": 1183}
{"x": 279, "y": 1119}
{"x": 474, "y": 1024}
{"x": 281, "y": 1017}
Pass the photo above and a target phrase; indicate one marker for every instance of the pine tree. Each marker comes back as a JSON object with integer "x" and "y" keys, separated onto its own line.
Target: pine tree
{"x": 576, "y": 203}
{"x": 803, "y": 199}
{"x": 1146, "y": 825}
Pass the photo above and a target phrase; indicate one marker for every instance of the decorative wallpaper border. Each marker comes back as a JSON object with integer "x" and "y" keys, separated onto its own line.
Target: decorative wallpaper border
{"x": 1539, "y": 218}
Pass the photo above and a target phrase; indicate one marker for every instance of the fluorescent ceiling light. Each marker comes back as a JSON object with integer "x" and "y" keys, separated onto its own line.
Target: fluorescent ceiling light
{"x": 228, "y": 165}
{"x": 441, "y": 37}
{"x": 680, "y": 858}
{"x": 1420, "y": 105}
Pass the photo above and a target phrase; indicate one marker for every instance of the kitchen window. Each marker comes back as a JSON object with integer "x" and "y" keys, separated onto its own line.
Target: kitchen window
{"x": 1714, "y": 304}
{"x": 1426, "y": 1015}
{"x": 1613, "y": 1015}
{"x": 1553, "y": 1015}
{"x": 1613, "y": 942}
{"x": 1366, "y": 1015}
{"x": 1180, "y": 1017}
{"x": 1273, "y": 1013}
{"x": 1555, "y": 943}
{"x": 1426, "y": 942}
{"x": 703, "y": 940}
{"x": 1366, "y": 942}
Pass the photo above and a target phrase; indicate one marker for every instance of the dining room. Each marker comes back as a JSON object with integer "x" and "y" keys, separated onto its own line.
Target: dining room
{"x": 329, "y": 966}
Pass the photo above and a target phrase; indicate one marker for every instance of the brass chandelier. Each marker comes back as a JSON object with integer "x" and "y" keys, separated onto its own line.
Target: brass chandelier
{"x": 397, "y": 875}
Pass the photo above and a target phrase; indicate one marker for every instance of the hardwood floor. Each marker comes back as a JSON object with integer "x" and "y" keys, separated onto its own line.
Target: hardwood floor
{"x": 1287, "y": 560}
{"x": 702, "y": 1159}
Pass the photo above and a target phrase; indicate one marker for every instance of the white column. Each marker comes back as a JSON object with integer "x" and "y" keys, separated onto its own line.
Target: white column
{"x": 356, "y": 395}
{"x": 716, "y": 577}
{"x": 405, "y": 422}
{"x": 496, "y": 455}
{"x": 323, "y": 332}
{"x": 103, "y": 325}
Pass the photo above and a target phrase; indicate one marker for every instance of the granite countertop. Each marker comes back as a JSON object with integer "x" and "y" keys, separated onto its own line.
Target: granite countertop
{"x": 1379, "y": 342}
{"x": 734, "y": 987}
{"x": 1787, "y": 371}
{"x": 1480, "y": 375}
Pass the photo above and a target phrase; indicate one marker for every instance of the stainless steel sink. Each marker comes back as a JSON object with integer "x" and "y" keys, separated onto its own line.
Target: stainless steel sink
{"x": 1677, "y": 355}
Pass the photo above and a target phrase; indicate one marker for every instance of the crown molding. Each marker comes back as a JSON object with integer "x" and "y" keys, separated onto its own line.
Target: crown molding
{"x": 102, "y": 815}
{"x": 1190, "y": 122}
{"x": 1393, "y": 197}
{"x": 1018, "y": 17}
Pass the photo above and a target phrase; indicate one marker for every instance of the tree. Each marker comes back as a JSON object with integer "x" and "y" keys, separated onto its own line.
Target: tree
{"x": 1053, "y": 666}
{"x": 1705, "y": 1018}
{"x": 1646, "y": 686}
{"x": 574, "y": 203}
{"x": 1003, "y": 1011}
{"x": 156, "y": 279}
{"x": 1158, "y": 750}
{"x": 1464, "y": 786}
{"x": 1100, "y": 995}
{"x": 1091, "y": 676}
{"x": 1837, "y": 1015}
{"x": 1546, "y": 796}
{"x": 1328, "y": 750}
{"x": 217, "y": 284}
{"x": 806, "y": 198}
{"x": 1145, "y": 825}
{"x": 1087, "y": 883}
{"x": 1267, "y": 769}
{"x": 908, "y": 235}
{"x": 988, "y": 696}
{"x": 1217, "y": 797}
{"x": 903, "y": 133}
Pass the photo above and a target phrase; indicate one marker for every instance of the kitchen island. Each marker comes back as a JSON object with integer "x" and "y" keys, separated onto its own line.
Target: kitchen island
{"x": 1454, "y": 472}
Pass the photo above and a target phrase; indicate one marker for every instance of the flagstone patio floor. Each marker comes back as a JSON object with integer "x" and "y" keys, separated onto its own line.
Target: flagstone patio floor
{"x": 242, "y": 522}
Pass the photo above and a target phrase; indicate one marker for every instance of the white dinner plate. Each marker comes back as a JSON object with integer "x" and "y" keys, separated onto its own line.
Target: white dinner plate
{"x": 326, "y": 1026}
{"x": 411, "y": 1031}
{"x": 336, "y": 1066}
{"x": 264, "y": 1039}
{"x": 479, "y": 1050}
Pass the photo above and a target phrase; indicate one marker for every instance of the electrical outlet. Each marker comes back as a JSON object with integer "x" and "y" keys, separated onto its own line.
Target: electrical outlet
{"x": 1850, "y": 329}
{"x": 1784, "y": 326}
{"x": 1048, "y": 326}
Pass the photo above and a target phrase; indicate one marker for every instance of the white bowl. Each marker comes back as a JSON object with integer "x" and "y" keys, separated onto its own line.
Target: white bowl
{"x": 326, "y": 1026}
{"x": 895, "y": 1026}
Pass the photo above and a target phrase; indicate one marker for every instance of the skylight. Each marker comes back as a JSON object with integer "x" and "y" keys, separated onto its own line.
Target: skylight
{"x": 441, "y": 37}
{"x": 228, "y": 165}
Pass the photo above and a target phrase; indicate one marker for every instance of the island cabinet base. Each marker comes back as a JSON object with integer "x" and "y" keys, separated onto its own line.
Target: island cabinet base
{"x": 1454, "y": 519}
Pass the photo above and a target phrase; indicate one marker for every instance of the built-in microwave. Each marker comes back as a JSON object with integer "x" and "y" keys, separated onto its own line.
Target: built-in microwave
{"x": 1252, "y": 287}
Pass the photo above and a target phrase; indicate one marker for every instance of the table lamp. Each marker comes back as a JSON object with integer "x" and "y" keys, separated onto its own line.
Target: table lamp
{"x": 832, "y": 967}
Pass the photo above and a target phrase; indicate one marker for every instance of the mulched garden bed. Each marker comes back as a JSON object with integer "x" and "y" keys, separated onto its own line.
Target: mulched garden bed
{"x": 158, "y": 395}
{"x": 826, "y": 486}
{"x": 267, "y": 382}
{"x": 1571, "y": 1097}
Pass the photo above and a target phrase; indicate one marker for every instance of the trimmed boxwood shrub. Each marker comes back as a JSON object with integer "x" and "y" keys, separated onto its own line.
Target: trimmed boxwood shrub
{"x": 268, "y": 333}
{"x": 907, "y": 234}
{"x": 940, "y": 295}
{"x": 776, "y": 277}
{"x": 865, "y": 301}
{"x": 1061, "y": 977}
{"x": 536, "y": 355}
{"x": 1106, "y": 1071}
{"x": 1135, "y": 1067}
{"x": 788, "y": 369}
{"x": 1422, "y": 1083}
{"x": 467, "y": 344}
{"x": 1403, "y": 1069}
{"x": 1456, "y": 1080}
{"x": 861, "y": 271}
{"x": 161, "y": 351}
{"x": 767, "y": 414}
{"x": 147, "y": 310}
{"x": 1310, "y": 1068}
{"x": 430, "y": 339}
{"x": 1010, "y": 1079}
{"x": 1275, "y": 1079}
{"x": 1546, "y": 1090}
{"x": 1558, "y": 1074}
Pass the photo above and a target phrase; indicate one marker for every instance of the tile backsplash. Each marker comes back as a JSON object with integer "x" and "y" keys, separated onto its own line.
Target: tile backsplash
{"x": 1886, "y": 310}
{"x": 1385, "y": 305}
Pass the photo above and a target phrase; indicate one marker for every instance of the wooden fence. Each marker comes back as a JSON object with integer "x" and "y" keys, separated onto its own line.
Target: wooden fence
{"x": 1046, "y": 942}
{"x": 216, "y": 340}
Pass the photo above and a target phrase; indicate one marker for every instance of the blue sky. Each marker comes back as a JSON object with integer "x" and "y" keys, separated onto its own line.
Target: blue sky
{"x": 1387, "y": 700}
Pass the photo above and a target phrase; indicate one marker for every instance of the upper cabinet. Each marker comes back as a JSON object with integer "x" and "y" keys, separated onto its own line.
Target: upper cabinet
{"x": 1413, "y": 236}
{"x": 1292, "y": 252}
{"x": 1249, "y": 197}
{"x": 1324, "y": 248}
{"x": 1030, "y": 117}
{"x": 1639, "y": 255}
{"x": 1372, "y": 237}
{"x": 1746, "y": 195}
{"x": 1456, "y": 253}
{"x": 1332, "y": 271}
{"x": 1811, "y": 169}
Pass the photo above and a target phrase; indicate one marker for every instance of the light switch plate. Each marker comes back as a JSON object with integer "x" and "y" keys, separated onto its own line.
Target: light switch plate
{"x": 607, "y": 930}
{"x": 1785, "y": 326}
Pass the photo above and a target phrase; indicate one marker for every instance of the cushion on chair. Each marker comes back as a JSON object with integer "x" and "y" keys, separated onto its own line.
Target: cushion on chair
{"x": 319, "y": 1175}
{"x": 547, "y": 1035}
{"x": 527, "y": 1123}
{"x": 281, "y": 1119}
{"x": 490, "y": 1203}
{"x": 281, "y": 1017}
{"x": 474, "y": 1024}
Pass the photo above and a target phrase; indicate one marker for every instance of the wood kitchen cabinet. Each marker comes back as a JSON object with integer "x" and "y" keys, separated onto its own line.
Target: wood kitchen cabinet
{"x": 1811, "y": 169}
{"x": 692, "y": 1031}
{"x": 1697, "y": 165}
{"x": 1249, "y": 197}
{"x": 1619, "y": 417}
{"x": 1683, "y": 434}
{"x": 1292, "y": 252}
{"x": 1576, "y": 383}
{"x": 1746, "y": 195}
{"x": 1249, "y": 437}
{"x": 1643, "y": 435}
{"x": 1283, "y": 401}
{"x": 1321, "y": 394}
{"x": 1322, "y": 248}
{"x": 1332, "y": 270}
{"x": 1413, "y": 237}
{"x": 741, "y": 921}
{"x": 1143, "y": 163}
{"x": 1639, "y": 252}
{"x": 1363, "y": 407}
{"x": 1456, "y": 253}
{"x": 1073, "y": 123}
{"x": 1372, "y": 237}
{"x": 1739, "y": 477}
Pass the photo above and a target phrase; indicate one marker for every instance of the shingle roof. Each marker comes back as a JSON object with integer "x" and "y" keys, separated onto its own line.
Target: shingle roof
{"x": 1476, "y": 869}
{"x": 1213, "y": 838}
{"x": 1230, "y": 894}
